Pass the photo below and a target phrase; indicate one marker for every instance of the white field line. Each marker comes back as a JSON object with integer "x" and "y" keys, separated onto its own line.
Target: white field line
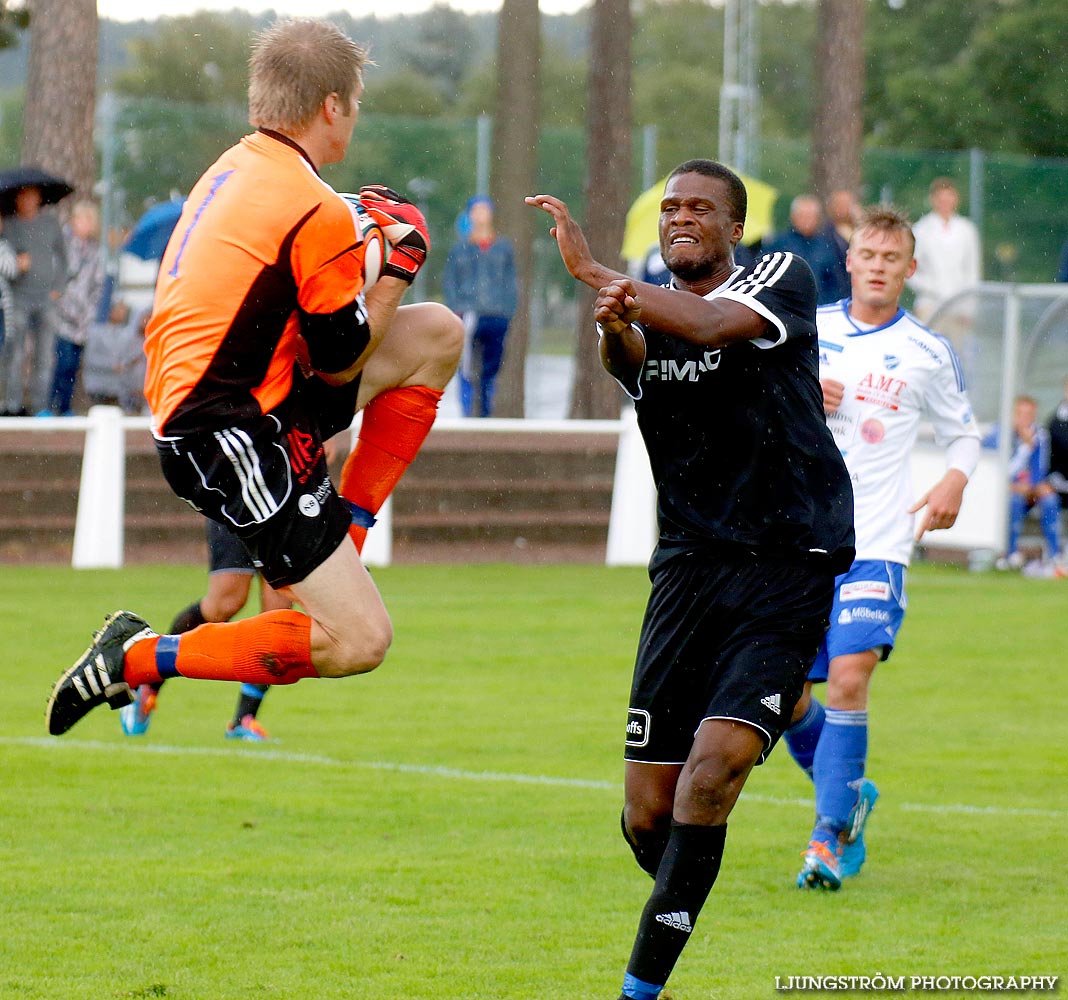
{"x": 317, "y": 760}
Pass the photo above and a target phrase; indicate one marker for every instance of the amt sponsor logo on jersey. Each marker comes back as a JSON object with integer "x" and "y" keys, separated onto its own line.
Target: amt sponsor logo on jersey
{"x": 670, "y": 370}
{"x": 883, "y": 390}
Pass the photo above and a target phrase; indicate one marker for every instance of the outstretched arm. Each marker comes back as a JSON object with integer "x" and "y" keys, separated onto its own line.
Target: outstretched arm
{"x": 691, "y": 318}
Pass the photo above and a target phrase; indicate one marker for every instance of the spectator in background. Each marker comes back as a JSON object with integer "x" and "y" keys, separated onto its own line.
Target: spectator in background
{"x": 9, "y": 269}
{"x": 42, "y": 263}
{"x": 1057, "y": 428}
{"x": 948, "y": 261}
{"x": 480, "y": 286}
{"x": 1062, "y": 265}
{"x": 843, "y": 211}
{"x": 1029, "y": 482}
{"x": 807, "y": 238}
{"x": 77, "y": 307}
{"x": 113, "y": 365}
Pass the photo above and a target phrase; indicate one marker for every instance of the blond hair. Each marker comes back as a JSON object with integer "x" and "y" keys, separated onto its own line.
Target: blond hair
{"x": 295, "y": 65}
{"x": 888, "y": 220}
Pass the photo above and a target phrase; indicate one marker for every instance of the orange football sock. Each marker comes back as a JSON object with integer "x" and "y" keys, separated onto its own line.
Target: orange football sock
{"x": 395, "y": 425}
{"x": 269, "y": 648}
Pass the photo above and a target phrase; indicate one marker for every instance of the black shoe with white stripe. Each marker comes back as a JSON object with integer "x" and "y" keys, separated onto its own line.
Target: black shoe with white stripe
{"x": 97, "y": 677}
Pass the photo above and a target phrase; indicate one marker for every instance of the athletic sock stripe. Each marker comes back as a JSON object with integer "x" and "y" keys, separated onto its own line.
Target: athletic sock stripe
{"x": 167, "y": 656}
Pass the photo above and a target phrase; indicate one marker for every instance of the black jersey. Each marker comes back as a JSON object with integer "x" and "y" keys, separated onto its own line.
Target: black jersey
{"x": 737, "y": 438}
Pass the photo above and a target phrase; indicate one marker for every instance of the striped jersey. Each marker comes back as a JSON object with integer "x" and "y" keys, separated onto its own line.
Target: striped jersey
{"x": 737, "y": 441}
{"x": 264, "y": 251}
{"x": 894, "y": 375}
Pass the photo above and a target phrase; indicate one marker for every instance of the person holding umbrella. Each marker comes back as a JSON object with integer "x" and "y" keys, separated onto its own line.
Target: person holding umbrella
{"x": 42, "y": 273}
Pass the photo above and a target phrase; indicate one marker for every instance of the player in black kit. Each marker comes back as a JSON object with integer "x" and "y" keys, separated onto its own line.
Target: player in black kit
{"x": 755, "y": 515}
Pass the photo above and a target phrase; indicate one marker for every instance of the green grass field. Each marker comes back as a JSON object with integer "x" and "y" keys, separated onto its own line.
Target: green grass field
{"x": 447, "y": 827}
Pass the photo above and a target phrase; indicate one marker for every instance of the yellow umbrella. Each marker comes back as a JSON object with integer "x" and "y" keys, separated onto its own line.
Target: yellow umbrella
{"x": 644, "y": 215}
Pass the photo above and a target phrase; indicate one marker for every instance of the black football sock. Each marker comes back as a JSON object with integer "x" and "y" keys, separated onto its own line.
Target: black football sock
{"x": 188, "y": 619}
{"x": 684, "y": 879}
{"x": 249, "y": 701}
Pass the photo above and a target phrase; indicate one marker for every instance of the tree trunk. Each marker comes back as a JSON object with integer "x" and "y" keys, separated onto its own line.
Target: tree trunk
{"x": 838, "y": 129}
{"x": 608, "y": 190}
{"x": 514, "y": 174}
{"x": 61, "y": 91}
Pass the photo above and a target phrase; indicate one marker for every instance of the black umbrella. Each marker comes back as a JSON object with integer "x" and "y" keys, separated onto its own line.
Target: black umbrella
{"x": 53, "y": 189}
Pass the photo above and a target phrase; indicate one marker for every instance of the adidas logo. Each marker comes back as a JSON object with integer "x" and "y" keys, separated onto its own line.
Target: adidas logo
{"x": 679, "y": 921}
{"x": 774, "y": 702}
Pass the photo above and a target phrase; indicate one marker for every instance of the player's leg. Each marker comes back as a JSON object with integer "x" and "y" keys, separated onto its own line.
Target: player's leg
{"x": 493, "y": 330}
{"x": 806, "y": 724}
{"x": 867, "y": 614}
{"x": 724, "y": 752}
{"x": 1019, "y": 505}
{"x": 840, "y": 759}
{"x": 270, "y": 478}
{"x": 399, "y": 394}
{"x": 756, "y": 636}
{"x": 245, "y": 724}
{"x": 1049, "y": 512}
{"x": 230, "y": 573}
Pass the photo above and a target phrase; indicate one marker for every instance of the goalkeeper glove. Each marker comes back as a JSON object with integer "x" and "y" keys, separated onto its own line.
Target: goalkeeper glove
{"x": 403, "y": 225}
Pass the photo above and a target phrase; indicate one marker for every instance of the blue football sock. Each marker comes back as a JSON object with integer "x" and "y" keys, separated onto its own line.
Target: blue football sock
{"x": 1017, "y": 513}
{"x": 1049, "y": 510}
{"x": 803, "y": 736}
{"x": 839, "y": 765}
{"x": 635, "y": 989}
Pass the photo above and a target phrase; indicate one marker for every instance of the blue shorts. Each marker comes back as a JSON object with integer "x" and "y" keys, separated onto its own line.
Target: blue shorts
{"x": 869, "y": 606}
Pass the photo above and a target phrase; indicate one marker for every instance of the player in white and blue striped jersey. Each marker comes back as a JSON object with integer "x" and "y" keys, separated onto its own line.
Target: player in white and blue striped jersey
{"x": 882, "y": 372}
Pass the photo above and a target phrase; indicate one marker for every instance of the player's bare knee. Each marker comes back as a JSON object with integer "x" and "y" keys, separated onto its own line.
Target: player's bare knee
{"x": 445, "y": 334}
{"x": 710, "y": 787}
{"x": 356, "y": 652}
{"x": 644, "y": 820}
{"x": 370, "y": 649}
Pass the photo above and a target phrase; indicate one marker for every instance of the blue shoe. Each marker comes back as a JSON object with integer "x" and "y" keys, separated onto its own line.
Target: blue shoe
{"x": 822, "y": 868}
{"x": 247, "y": 729}
{"x": 136, "y": 716}
{"x": 44, "y": 413}
{"x": 853, "y": 850}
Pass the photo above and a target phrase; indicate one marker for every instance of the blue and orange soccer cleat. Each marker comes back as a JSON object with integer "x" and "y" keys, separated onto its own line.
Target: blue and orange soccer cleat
{"x": 853, "y": 850}
{"x": 247, "y": 729}
{"x": 136, "y": 716}
{"x": 822, "y": 868}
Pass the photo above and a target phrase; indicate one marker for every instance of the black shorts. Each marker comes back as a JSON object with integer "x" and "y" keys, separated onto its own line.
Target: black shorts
{"x": 267, "y": 481}
{"x": 723, "y": 638}
{"x": 226, "y": 552}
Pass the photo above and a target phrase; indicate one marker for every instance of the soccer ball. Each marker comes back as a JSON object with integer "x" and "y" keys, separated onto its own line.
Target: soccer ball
{"x": 376, "y": 250}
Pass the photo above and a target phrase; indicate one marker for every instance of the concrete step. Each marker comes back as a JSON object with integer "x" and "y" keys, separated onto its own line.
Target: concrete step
{"x": 469, "y": 496}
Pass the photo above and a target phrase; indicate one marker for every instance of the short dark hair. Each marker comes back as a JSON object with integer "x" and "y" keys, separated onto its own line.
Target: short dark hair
{"x": 736, "y": 196}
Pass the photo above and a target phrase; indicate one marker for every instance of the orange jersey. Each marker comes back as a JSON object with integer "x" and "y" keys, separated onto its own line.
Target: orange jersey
{"x": 264, "y": 250}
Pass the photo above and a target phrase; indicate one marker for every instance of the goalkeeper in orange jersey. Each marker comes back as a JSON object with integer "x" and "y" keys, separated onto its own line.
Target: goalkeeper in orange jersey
{"x": 264, "y": 267}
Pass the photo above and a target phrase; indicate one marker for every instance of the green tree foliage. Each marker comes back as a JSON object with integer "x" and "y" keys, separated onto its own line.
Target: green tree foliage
{"x": 441, "y": 47}
{"x": 200, "y": 59}
{"x": 989, "y": 74}
{"x": 404, "y": 92}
